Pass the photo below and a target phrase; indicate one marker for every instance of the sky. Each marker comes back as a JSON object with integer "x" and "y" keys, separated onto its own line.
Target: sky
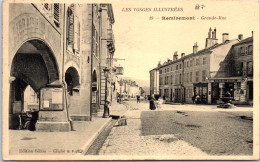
{"x": 143, "y": 42}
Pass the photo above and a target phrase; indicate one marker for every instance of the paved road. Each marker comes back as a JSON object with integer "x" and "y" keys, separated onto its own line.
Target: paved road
{"x": 181, "y": 130}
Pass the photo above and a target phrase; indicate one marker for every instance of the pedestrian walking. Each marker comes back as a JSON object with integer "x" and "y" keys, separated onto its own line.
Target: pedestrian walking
{"x": 152, "y": 105}
{"x": 138, "y": 98}
{"x": 160, "y": 102}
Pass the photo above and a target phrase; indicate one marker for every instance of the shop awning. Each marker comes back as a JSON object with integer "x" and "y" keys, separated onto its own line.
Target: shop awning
{"x": 227, "y": 79}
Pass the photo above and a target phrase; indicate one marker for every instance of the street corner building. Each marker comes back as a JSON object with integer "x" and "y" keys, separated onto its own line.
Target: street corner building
{"x": 209, "y": 73}
{"x": 60, "y": 58}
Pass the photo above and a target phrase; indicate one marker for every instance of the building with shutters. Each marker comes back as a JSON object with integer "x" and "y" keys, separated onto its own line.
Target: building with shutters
{"x": 206, "y": 73}
{"x": 56, "y": 56}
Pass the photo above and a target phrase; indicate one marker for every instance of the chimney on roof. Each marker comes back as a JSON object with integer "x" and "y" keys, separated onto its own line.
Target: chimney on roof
{"x": 175, "y": 56}
{"x": 252, "y": 33}
{"x": 182, "y": 54}
{"x": 224, "y": 37}
{"x": 214, "y": 32}
{"x": 210, "y": 41}
{"x": 209, "y": 33}
{"x": 195, "y": 48}
{"x": 240, "y": 36}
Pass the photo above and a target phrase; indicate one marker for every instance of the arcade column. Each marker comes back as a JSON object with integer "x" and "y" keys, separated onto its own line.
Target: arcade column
{"x": 53, "y": 114}
{"x": 85, "y": 64}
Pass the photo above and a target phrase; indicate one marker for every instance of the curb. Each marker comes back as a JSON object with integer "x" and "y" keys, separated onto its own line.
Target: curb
{"x": 93, "y": 137}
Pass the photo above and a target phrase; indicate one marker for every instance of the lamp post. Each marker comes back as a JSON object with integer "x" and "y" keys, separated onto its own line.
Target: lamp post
{"x": 106, "y": 108}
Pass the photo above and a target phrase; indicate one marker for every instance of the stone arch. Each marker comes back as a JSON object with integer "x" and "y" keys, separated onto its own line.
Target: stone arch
{"x": 33, "y": 64}
{"x": 72, "y": 78}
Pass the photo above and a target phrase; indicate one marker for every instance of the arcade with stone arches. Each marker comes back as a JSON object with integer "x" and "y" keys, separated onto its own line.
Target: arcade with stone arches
{"x": 33, "y": 67}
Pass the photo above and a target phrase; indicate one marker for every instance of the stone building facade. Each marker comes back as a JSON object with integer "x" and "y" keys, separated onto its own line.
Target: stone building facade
{"x": 56, "y": 50}
{"x": 154, "y": 81}
{"x": 236, "y": 73}
{"x": 181, "y": 79}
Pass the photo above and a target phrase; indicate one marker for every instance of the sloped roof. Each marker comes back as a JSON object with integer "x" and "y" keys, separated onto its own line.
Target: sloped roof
{"x": 249, "y": 39}
{"x": 205, "y": 50}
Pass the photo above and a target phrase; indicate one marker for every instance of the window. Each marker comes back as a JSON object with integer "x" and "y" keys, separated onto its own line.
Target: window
{"x": 160, "y": 71}
{"x": 188, "y": 63}
{"x": 180, "y": 66}
{"x": 176, "y": 79}
{"x": 242, "y": 50}
{"x": 204, "y": 75}
{"x": 160, "y": 80}
{"x": 171, "y": 68}
{"x": 250, "y": 69}
{"x": 177, "y": 67}
{"x": 167, "y": 69}
{"x": 197, "y": 76}
{"x": 250, "y": 50}
{"x": 241, "y": 68}
{"x": 56, "y": 14}
{"x": 95, "y": 40}
{"x": 73, "y": 29}
{"x": 171, "y": 79}
{"x": 166, "y": 92}
{"x": 166, "y": 80}
{"x": 180, "y": 79}
{"x": 184, "y": 65}
{"x": 191, "y": 63}
{"x": 197, "y": 61}
{"x": 245, "y": 50}
{"x": 190, "y": 76}
{"x": 204, "y": 60}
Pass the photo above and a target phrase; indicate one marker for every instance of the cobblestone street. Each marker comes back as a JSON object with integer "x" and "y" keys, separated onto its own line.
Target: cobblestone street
{"x": 169, "y": 131}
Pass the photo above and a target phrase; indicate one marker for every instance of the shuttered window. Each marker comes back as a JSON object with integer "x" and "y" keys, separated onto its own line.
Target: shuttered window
{"x": 76, "y": 43}
{"x": 70, "y": 20}
{"x": 56, "y": 14}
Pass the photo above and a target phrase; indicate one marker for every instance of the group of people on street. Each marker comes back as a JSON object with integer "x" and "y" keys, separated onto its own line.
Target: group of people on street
{"x": 154, "y": 104}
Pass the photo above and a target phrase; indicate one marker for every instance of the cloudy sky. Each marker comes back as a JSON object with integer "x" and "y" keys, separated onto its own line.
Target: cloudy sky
{"x": 143, "y": 42}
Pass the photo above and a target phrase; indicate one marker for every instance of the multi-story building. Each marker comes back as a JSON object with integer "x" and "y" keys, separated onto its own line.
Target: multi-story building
{"x": 235, "y": 74}
{"x": 58, "y": 51}
{"x": 181, "y": 79}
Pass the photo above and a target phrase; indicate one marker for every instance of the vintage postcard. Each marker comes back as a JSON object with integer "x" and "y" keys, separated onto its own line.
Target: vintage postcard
{"x": 130, "y": 80}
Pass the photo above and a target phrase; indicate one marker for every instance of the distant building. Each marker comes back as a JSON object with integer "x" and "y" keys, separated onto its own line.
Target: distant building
{"x": 128, "y": 88}
{"x": 181, "y": 79}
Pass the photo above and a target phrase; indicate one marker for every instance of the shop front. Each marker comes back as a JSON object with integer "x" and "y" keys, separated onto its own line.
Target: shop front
{"x": 201, "y": 92}
{"x": 239, "y": 89}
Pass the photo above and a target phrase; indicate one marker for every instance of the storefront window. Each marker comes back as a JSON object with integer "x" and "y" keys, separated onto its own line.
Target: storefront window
{"x": 250, "y": 68}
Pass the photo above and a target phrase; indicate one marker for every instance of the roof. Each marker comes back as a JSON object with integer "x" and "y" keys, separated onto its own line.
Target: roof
{"x": 205, "y": 50}
{"x": 249, "y": 39}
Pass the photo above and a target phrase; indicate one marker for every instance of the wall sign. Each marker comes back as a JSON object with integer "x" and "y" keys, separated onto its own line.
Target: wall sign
{"x": 51, "y": 98}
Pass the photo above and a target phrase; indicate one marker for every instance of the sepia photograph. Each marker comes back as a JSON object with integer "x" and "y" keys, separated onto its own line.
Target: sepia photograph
{"x": 130, "y": 80}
